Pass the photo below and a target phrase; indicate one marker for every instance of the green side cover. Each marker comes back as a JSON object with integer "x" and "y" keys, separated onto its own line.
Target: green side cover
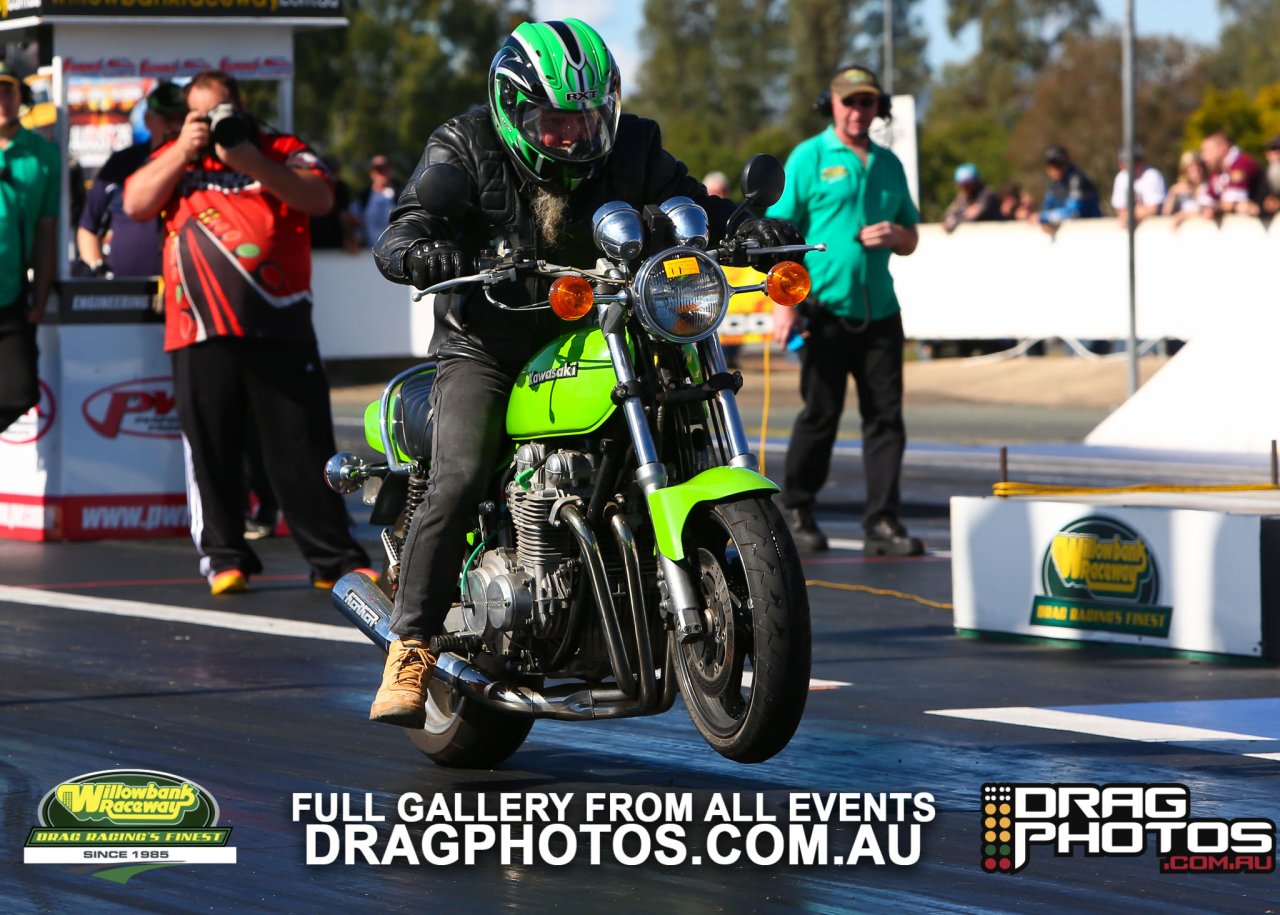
{"x": 566, "y": 389}
{"x": 670, "y": 507}
{"x": 373, "y": 433}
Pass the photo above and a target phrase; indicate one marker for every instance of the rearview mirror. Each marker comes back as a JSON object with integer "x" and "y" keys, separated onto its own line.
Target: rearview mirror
{"x": 446, "y": 191}
{"x": 763, "y": 179}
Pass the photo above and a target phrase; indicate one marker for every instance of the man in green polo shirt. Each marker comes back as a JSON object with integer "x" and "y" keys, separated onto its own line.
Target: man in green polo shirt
{"x": 851, "y": 193}
{"x": 29, "y": 179}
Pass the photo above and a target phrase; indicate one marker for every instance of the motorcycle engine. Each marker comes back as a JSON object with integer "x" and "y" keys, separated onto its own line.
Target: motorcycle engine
{"x": 528, "y": 586}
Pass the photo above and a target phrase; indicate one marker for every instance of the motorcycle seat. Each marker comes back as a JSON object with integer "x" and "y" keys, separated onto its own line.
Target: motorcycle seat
{"x": 413, "y": 414}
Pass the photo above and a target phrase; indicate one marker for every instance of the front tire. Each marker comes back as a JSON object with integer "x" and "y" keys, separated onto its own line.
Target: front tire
{"x": 461, "y": 734}
{"x": 756, "y": 621}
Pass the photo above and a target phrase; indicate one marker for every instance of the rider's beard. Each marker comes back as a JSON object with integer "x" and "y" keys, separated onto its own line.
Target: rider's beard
{"x": 549, "y": 208}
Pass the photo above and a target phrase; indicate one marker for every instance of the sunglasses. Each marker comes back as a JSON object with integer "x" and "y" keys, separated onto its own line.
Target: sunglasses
{"x": 861, "y": 100}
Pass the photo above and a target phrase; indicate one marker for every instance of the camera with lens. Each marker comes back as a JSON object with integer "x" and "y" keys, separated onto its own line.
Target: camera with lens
{"x": 229, "y": 126}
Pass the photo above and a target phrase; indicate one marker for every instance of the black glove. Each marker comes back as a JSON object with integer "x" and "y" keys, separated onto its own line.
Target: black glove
{"x": 431, "y": 262}
{"x": 769, "y": 233}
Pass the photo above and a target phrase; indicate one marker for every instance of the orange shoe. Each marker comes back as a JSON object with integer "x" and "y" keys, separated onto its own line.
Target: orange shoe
{"x": 232, "y": 581}
{"x": 326, "y": 584}
{"x": 402, "y": 698}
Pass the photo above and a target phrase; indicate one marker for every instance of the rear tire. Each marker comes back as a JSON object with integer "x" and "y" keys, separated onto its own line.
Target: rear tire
{"x": 757, "y": 620}
{"x": 462, "y": 734}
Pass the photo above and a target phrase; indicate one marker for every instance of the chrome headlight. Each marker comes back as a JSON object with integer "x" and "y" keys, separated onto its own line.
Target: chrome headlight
{"x": 681, "y": 295}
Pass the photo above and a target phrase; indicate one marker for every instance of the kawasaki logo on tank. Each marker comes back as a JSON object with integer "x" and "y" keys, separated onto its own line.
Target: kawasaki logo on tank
{"x": 568, "y": 370}
{"x": 1100, "y": 574}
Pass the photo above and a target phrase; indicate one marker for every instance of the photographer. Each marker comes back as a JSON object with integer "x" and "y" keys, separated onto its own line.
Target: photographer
{"x": 28, "y": 232}
{"x": 236, "y": 198}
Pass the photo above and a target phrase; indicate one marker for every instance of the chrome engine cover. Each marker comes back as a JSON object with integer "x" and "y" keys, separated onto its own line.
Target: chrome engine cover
{"x": 499, "y": 595}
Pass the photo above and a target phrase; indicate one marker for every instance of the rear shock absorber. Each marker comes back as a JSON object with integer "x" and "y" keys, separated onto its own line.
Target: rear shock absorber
{"x": 393, "y": 539}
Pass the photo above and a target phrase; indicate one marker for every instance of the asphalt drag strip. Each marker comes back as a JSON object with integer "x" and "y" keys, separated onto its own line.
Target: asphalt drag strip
{"x": 262, "y": 698}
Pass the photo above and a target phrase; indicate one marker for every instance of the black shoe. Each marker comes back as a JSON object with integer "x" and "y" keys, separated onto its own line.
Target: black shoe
{"x": 804, "y": 530}
{"x": 887, "y": 537}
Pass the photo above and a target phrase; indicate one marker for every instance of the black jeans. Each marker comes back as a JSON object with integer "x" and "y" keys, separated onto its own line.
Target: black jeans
{"x": 874, "y": 357}
{"x": 222, "y": 385}
{"x": 469, "y": 407}
{"x": 19, "y": 365}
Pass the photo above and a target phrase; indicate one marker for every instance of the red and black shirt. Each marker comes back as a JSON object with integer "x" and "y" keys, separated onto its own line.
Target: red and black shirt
{"x": 237, "y": 260}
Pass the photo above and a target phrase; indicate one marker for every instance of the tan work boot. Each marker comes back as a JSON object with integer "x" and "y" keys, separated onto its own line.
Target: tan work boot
{"x": 402, "y": 698}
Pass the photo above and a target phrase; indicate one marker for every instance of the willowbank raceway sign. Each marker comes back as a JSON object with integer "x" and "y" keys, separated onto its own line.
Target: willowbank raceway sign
{"x": 15, "y": 9}
{"x": 1098, "y": 573}
{"x": 127, "y": 821}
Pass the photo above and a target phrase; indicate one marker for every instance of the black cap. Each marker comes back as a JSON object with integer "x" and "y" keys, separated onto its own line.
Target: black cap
{"x": 1273, "y": 143}
{"x": 1056, "y": 155}
{"x": 168, "y": 100}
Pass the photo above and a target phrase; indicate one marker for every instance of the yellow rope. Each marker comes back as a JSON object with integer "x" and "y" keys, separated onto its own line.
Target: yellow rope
{"x": 1012, "y": 488}
{"x": 882, "y": 592}
{"x": 764, "y": 410}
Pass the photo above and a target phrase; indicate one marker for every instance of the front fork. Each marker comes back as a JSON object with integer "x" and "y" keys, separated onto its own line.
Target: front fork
{"x": 686, "y": 602}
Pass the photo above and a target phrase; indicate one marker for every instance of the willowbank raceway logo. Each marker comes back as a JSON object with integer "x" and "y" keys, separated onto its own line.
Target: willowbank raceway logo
{"x": 128, "y": 821}
{"x": 1118, "y": 821}
{"x": 1100, "y": 574}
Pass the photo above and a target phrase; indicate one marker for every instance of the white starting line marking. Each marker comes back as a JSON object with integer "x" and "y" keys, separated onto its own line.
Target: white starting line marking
{"x": 221, "y": 619}
{"x": 1099, "y": 725}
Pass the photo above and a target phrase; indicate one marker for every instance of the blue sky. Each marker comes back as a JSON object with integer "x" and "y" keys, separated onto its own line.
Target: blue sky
{"x": 619, "y": 21}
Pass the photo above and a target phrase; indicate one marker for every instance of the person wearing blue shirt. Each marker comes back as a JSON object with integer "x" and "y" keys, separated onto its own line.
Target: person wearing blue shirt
{"x": 1070, "y": 195}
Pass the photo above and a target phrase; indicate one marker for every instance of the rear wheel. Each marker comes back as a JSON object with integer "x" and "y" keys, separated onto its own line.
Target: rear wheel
{"x": 463, "y": 734}
{"x": 746, "y": 680}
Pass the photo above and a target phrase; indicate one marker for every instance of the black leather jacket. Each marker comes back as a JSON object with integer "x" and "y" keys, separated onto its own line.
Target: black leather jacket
{"x": 638, "y": 171}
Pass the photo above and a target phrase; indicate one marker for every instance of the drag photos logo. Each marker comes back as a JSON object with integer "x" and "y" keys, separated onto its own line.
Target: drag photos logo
{"x": 1118, "y": 821}
{"x": 848, "y": 829}
{"x": 128, "y": 821}
{"x": 1098, "y": 573}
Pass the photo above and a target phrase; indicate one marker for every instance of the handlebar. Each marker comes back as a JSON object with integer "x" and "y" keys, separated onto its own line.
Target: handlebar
{"x": 503, "y": 272}
{"x": 747, "y": 247}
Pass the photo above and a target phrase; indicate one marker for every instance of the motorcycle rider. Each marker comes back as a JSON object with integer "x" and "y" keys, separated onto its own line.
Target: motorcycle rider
{"x": 547, "y": 150}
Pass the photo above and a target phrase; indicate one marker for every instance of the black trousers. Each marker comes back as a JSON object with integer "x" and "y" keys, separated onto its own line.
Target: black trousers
{"x": 19, "y": 365}
{"x": 221, "y": 385}
{"x": 469, "y": 404}
{"x": 873, "y": 356}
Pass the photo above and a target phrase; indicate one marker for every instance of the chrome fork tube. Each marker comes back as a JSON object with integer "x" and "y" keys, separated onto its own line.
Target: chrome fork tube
{"x": 651, "y": 474}
{"x": 727, "y": 402}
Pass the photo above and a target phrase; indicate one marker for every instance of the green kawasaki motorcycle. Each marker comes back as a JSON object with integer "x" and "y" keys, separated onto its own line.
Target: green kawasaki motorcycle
{"x": 629, "y": 544}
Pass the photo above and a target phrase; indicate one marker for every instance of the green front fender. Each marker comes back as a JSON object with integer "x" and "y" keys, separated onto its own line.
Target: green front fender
{"x": 670, "y": 507}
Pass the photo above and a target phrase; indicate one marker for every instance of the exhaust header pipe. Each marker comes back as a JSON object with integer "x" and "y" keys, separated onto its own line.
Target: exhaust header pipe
{"x": 364, "y": 604}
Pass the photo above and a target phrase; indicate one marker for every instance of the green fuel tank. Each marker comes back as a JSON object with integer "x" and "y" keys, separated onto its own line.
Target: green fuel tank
{"x": 566, "y": 389}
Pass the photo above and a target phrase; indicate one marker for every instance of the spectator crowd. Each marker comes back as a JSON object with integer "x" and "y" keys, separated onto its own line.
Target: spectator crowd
{"x": 1216, "y": 179}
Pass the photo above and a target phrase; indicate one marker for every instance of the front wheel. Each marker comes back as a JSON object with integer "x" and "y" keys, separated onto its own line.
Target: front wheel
{"x": 746, "y": 680}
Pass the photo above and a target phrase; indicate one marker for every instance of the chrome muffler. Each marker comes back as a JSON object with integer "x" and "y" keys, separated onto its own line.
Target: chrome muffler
{"x": 363, "y": 603}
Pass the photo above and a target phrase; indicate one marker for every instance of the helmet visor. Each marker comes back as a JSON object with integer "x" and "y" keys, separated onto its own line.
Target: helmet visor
{"x": 581, "y": 134}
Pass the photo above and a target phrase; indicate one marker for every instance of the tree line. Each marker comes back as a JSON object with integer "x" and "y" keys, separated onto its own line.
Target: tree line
{"x": 728, "y": 78}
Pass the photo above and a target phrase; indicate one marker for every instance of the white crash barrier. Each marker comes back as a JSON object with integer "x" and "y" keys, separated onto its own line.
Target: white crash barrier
{"x": 1011, "y": 280}
{"x": 984, "y": 281}
{"x": 1182, "y": 573}
{"x": 359, "y": 314}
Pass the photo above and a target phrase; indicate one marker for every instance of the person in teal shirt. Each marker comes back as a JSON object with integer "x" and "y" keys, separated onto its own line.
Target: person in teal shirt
{"x": 851, "y": 193}
{"x": 29, "y": 181}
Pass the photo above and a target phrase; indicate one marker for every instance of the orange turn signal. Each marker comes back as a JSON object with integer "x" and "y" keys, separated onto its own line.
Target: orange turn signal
{"x": 571, "y": 297}
{"x": 787, "y": 283}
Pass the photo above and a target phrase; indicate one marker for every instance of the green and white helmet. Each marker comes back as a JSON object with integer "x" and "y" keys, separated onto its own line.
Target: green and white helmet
{"x": 554, "y": 95}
